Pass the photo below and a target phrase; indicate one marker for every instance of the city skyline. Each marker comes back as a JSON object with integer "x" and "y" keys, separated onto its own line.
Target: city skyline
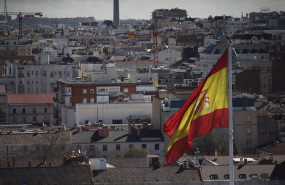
{"x": 103, "y": 9}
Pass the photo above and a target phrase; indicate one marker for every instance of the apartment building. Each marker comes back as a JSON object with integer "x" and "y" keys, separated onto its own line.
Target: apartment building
{"x": 30, "y": 108}
{"x": 36, "y": 79}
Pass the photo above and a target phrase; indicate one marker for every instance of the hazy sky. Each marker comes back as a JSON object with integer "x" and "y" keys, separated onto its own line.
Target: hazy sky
{"x": 140, "y": 9}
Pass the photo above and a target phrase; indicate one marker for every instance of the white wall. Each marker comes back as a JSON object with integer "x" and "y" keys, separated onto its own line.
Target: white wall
{"x": 109, "y": 112}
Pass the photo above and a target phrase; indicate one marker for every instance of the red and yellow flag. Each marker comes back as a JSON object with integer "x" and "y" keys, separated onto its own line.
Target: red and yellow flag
{"x": 206, "y": 108}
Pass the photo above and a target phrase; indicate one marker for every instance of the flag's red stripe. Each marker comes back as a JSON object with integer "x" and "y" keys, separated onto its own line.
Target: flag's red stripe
{"x": 199, "y": 126}
{"x": 178, "y": 149}
{"x": 171, "y": 125}
{"x": 205, "y": 123}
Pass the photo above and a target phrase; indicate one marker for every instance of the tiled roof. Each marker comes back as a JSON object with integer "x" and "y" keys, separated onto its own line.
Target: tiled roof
{"x": 55, "y": 175}
{"x": 33, "y": 138}
{"x": 248, "y": 170}
{"x": 130, "y": 171}
{"x": 115, "y": 136}
{"x": 275, "y": 148}
{"x": 29, "y": 98}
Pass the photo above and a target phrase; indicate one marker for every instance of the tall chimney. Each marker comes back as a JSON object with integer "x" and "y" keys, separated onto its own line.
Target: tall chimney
{"x": 116, "y": 13}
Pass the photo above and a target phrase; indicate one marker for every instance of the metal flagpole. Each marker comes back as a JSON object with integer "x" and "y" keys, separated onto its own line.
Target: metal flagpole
{"x": 231, "y": 130}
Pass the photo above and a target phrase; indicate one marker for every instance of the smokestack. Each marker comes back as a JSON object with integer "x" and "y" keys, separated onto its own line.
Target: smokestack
{"x": 116, "y": 16}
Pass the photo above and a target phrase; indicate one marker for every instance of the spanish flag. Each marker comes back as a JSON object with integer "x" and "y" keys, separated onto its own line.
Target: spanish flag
{"x": 206, "y": 108}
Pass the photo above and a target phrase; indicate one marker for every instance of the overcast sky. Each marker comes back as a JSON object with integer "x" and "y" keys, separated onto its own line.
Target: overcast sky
{"x": 140, "y": 9}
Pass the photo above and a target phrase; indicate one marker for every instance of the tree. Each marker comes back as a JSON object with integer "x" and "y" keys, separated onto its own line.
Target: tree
{"x": 136, "y": 152}
{"x": 210, "y": 142}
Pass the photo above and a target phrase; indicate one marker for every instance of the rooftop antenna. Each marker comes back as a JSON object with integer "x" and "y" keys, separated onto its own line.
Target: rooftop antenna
{"x": 6, "y": 12}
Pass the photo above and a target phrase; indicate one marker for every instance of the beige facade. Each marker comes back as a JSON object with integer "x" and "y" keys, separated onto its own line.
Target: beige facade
{"x": 28, "y": 113}
{"x": 245, "y": 129}
{"x": 107, "y": 150}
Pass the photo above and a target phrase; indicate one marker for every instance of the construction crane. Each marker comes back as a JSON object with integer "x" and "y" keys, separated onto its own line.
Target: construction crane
{"x": 20, "y": 16}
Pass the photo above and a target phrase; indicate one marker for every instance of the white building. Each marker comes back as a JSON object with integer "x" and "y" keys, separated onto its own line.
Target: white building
{"x": 112, "y": 113}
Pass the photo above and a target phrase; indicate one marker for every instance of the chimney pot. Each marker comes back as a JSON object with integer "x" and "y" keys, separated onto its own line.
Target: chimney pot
{"x": 245, "y": 161}
{"x": 216, "y": 154}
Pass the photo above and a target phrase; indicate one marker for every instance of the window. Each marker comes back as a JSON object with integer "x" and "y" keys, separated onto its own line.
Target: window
{"x": 126, "y": 90}
{"x": 253, "y": 175}
{"x": 84, "y": 100}
{"x": 91, "y": 100}
{"x": 248, "y": 130}
{"x": 45, "y": 110}
{"x": 227, "y": 176}
{"x": 248, "y": 118}
{"x": 91, "y": 91}
{"x": 105, "y": 148}
{"x": 23, "y": 110}
{"x": 131, "y": 146}
{"x": 144, "y": 146}
{"x": 156, "y": 146}
{"x": 84, "y": 91}
{"x": 91, "y": 147}
{"x": 117, "y": 121}
{"x": 118, "y": 147}
{"x": 14, "y": 111}
{"x": 242, "y": 176}
{"x": 248, "y": 142}
{"x": 34, "y": 110}
{"x": 213, "y": 176}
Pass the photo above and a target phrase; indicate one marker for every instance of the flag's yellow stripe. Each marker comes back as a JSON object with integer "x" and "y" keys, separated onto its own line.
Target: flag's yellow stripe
{"x": 217, "y": 96}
